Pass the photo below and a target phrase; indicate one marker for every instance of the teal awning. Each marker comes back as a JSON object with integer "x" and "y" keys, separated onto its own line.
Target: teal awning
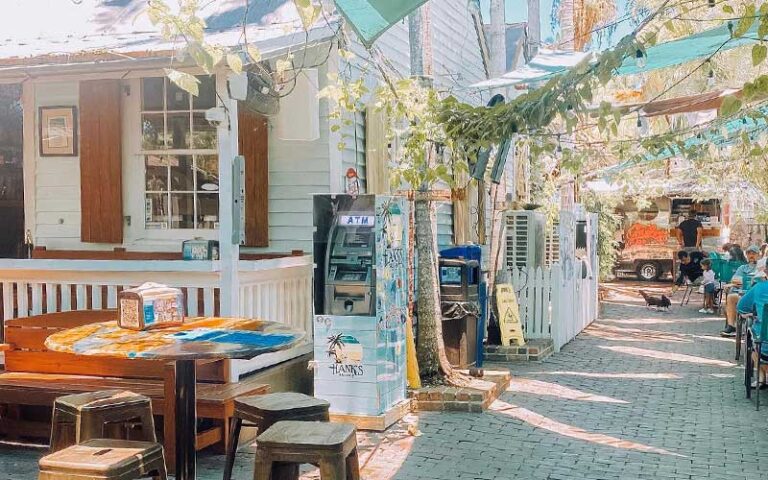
{"x": 675, "y": 52}
{"x": 371, "y": 18}
{"x": 722, "y": 136}
{"x": 687, "y": 49}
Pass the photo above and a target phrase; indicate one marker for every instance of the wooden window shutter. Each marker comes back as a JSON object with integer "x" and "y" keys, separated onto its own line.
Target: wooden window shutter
{"x": 101, "y": 183}
{"x": 253, "y": 140}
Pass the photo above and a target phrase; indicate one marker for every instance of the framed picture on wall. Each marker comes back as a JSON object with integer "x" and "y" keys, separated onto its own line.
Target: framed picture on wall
{"x": 58, "y": 131}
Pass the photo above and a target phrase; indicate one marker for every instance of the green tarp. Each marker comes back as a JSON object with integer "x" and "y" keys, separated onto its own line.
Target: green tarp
{"x": 371, "y": 18}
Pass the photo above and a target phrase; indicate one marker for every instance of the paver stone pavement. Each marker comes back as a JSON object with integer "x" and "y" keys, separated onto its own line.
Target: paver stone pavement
{"x": 640, "y": 394}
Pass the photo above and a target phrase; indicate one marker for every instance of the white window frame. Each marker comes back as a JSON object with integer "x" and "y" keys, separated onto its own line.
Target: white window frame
{"x": 190, "y": 152}
{"x": 135, "y": 235}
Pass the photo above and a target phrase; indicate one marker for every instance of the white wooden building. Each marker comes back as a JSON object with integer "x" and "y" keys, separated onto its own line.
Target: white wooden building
{"x": 148, "y": 171}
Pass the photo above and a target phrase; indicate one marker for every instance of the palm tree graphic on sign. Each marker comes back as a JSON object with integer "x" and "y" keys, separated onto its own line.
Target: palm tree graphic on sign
{"x": 344, "y": 349}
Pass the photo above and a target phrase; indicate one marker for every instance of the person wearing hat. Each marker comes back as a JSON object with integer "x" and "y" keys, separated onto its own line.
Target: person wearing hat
{"x": 731, "y": 312}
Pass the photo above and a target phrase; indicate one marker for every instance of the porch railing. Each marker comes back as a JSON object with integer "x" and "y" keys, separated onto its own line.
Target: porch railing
{"x": 278, "y": 289}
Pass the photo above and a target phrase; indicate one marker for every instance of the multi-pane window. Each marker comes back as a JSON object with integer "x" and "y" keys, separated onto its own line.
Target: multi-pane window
{"x": 181, "y": 166}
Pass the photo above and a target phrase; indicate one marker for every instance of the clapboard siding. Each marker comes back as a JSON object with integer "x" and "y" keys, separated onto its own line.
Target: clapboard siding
{"x": 457, "y": 63}
{"x": 297, "y": 170}
{"x": 457, "y": 57}
{"x": 57, "y": 179}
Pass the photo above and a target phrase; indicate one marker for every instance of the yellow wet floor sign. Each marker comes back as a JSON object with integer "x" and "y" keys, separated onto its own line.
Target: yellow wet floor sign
{"x": 508, "y": 314}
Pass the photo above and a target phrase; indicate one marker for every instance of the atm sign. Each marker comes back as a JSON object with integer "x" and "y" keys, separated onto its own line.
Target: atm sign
{"x": 357, "y": 220}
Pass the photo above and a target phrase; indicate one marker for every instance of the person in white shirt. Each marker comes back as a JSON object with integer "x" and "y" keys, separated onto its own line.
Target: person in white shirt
{"x": 710, "y": 286}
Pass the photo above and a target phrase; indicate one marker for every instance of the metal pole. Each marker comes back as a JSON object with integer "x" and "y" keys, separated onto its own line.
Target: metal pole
{"x": 186, "y": 420}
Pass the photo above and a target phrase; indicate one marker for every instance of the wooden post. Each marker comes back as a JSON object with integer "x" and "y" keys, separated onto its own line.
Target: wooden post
{"x": 229, "y": 251}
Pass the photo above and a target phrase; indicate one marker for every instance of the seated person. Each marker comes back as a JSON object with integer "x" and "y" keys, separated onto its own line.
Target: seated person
{"x": 735, "y": 253}
{"x": 747, "y": 305}
{"x": 733, "y": 297}
{"x": 689, "y": 270}
{"x": 710, "y": 286}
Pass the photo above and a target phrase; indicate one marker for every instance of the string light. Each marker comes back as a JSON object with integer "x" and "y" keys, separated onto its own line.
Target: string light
{"x": 640, "y": 59}
{"x": 711, "y": 3}
{"x": 559, "y": 145}
{"x": 710, "y": 74}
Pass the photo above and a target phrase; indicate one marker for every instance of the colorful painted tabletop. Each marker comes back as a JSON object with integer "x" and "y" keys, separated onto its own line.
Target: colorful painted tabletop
{"x": 198, "y": 338}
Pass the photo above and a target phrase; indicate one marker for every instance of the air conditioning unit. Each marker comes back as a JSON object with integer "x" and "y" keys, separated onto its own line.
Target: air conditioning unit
{"x": 525, "y": 239}
{"x": 552, "y": 251}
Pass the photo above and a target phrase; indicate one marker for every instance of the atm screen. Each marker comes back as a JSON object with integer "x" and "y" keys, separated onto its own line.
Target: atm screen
{"x": 351, "y": 276}
{"x": 357, "y": 239}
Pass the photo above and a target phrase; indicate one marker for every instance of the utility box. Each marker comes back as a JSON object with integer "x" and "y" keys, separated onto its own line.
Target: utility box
{"x": 361, "y": 302}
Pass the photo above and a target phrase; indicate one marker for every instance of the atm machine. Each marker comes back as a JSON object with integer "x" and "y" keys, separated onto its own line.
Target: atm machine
{"x": 361, "y": 302}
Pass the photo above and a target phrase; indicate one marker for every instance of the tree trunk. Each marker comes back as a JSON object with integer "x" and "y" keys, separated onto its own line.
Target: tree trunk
{"x": 431, "y": 350}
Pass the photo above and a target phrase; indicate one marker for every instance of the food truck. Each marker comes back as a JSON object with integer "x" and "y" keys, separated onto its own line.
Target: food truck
{"x": 648, "y": 237}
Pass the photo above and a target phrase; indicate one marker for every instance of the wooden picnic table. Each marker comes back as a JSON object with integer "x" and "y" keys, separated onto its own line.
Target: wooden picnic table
{"x": 204, "y": 338}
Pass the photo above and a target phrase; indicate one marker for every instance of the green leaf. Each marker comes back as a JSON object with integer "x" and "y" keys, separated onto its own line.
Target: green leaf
{"x": 745, "y": 22}
{"x": 184, "y": 81}
{"x": 728, "y": 9}
{"x": 759, "y": 53}
{"x": 235, "y": 62}
{"x": 253, "y": 52}
{"x": 762, "y": 29}
{"x": 308, "y": 12}
{"x": 730, "y": 105}
{"x": 281, "y": 66}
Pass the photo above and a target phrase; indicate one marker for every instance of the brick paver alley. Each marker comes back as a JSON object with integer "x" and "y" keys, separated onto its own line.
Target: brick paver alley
{"x": 640, "y": 395}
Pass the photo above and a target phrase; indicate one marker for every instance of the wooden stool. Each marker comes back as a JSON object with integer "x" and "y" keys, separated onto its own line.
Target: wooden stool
{"x": 263, "y": 411}
{"x": 285, "y": 445}
{"x": 104, "y": 459}
{"x": 90, "y": 412}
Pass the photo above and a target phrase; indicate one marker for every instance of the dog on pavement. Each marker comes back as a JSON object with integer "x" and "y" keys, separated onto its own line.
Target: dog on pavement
{"x": 659, "y": 303}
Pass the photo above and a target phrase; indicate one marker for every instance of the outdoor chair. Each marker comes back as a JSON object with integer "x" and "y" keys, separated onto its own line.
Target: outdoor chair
{"x": 757, "y": 332}
{"x": 263, "y": 411}
{"x": 88, "y": 414}
{"x": 286, "y": 445}
{"x": 104, "y": 459}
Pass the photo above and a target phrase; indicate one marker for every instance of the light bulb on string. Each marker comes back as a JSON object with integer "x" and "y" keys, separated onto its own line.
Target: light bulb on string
{"x": 640, "y": 59}
{"x": 710, "y": 75}
{"x": 559, "y": 145}
{"x": 711, "y": 3}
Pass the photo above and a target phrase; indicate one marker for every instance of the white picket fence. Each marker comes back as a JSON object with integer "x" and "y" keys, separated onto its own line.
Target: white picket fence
{"x": 555, "y": 302}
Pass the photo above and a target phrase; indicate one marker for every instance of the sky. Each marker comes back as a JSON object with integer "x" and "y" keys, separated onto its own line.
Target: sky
{"x": 517, "y": 11}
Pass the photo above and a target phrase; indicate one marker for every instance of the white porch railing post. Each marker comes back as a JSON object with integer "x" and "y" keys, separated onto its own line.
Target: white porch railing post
{"x": 229, "y": 250}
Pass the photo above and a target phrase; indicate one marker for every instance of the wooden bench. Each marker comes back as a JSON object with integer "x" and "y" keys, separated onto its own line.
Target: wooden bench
{"x": 35, "y": 377}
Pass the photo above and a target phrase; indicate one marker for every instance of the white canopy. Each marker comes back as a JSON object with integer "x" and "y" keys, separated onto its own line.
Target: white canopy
{"x": 547, "y": 63}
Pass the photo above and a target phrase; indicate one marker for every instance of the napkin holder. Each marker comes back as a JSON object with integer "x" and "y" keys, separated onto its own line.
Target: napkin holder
{"x": 150, "y": 305}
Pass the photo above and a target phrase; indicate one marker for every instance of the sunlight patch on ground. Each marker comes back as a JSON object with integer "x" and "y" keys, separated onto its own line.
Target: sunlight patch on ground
{"x": 623, "y": 334}
{"x": 537, "y": 387}
{"x": 540, "y": 421}
{"x": 659, "y": 321}
{"x": 722, "y": 375}
{"x": 669, "y": 356}
{"x": 629, "y": 376}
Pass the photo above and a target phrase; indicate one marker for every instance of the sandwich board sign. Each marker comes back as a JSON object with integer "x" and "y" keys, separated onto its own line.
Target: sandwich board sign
{"x": 508, "y": 314}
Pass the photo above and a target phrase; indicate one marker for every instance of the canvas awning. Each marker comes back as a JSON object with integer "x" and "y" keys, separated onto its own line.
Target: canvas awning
{"x": 371, "y": 18}
{"x": 543, "y": 66}
{"x": 676, "y": 52}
